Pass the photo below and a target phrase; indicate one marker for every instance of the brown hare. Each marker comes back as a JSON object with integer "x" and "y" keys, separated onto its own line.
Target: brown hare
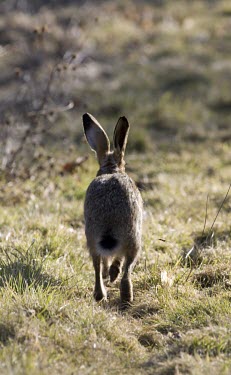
{"x": 112, "y": 210}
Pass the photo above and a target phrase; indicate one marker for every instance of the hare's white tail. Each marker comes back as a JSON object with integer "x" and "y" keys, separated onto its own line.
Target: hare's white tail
{"x": 107, "y": 245}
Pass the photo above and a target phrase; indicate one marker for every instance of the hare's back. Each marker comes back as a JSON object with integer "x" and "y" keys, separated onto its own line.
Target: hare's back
{"x": 113, "y": 199}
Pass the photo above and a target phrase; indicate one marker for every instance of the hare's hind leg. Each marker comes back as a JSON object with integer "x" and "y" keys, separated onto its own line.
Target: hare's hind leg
{"x": 115, "y": 268}
{"x": 126, "y": 288}
{"x": 105, "y": 267}
{"x": 100, "y": 291}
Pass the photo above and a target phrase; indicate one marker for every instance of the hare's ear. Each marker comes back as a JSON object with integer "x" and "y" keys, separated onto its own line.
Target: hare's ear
{"x": 121, "y": 136}
{"x": 96, "y": 136}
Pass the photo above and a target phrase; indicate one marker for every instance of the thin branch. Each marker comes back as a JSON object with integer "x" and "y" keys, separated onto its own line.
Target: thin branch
{"x": 14, "y": 154}
{"x": 30, "y": 130}
{"x": 194, "y": 247}
{"x": 222, "y": 204}
{"x": 206, "y": 215}
{"x": 52, "y": 110}
{"x": 48, "y": 86}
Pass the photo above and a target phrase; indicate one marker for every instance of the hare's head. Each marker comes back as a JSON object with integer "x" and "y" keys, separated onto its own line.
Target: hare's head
{"x": 109, "y": 161}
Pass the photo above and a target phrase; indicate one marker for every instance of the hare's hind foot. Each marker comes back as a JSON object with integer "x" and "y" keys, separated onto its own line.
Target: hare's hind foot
{"x": 100, "y": 294}
{"x": 115, "y": 269}
{"x": 126, "y": 291}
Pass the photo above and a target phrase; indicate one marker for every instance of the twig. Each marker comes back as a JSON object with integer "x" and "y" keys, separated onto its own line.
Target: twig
{"x": 222, "y": 204}
{"x": 48, "y": 86}
{"x": 14, "y": 154}
{"x": 206, "y": 215}
{"x": 48, "y": 111}
{"x": 31, "y": 128}
{"x": 195, "y": 247}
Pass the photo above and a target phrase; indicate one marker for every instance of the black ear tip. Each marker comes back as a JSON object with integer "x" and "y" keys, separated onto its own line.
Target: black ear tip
{"x": 86, "y": 117}
{"x": 87, "y": 121}
{"x": 124, "y": 121}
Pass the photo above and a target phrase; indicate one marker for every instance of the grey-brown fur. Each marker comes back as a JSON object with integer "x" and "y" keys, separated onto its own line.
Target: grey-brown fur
{"x": 112, "y": 210}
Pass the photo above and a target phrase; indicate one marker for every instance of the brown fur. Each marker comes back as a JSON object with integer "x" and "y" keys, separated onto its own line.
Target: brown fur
{"x": 112, "y": 210}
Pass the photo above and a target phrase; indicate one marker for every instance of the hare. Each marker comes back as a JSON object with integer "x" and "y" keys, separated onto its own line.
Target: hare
{"x": 112, "y": 211}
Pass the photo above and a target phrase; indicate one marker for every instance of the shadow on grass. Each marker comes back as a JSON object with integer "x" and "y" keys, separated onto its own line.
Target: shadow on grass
{"x": 211, "y": 238}
{"x": 210, "y": 276}
{"x": 7, "y": 332}
{"x": 203, "y": 241}
{"x": 21, "y": 271}
{"x": 137, "y": 309}
{"x": 142, "y": 310}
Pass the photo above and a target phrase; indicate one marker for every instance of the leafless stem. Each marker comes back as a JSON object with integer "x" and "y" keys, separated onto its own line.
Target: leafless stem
{"x": 26, "y": 135}
{"x": 33, "y": 115}
{"x": 48, "y": 111}
{"x": 48, "y": 86}
{"x": 219, "y": 210}
{"x": 206, "y": 215}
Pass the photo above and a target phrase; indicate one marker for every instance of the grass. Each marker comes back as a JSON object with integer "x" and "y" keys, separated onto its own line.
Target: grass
{"x": 167, "y": 67}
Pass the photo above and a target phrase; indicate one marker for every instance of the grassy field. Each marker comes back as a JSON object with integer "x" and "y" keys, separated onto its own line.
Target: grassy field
{"x": 166, "y": 66}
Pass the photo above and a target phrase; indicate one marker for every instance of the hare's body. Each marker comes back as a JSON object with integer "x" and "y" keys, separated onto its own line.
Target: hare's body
{"x": 113, "y": 214}
{"x": 112, "y": 210}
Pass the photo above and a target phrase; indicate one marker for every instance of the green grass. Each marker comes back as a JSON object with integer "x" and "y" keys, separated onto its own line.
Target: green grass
{"x": 167, "y": 68}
